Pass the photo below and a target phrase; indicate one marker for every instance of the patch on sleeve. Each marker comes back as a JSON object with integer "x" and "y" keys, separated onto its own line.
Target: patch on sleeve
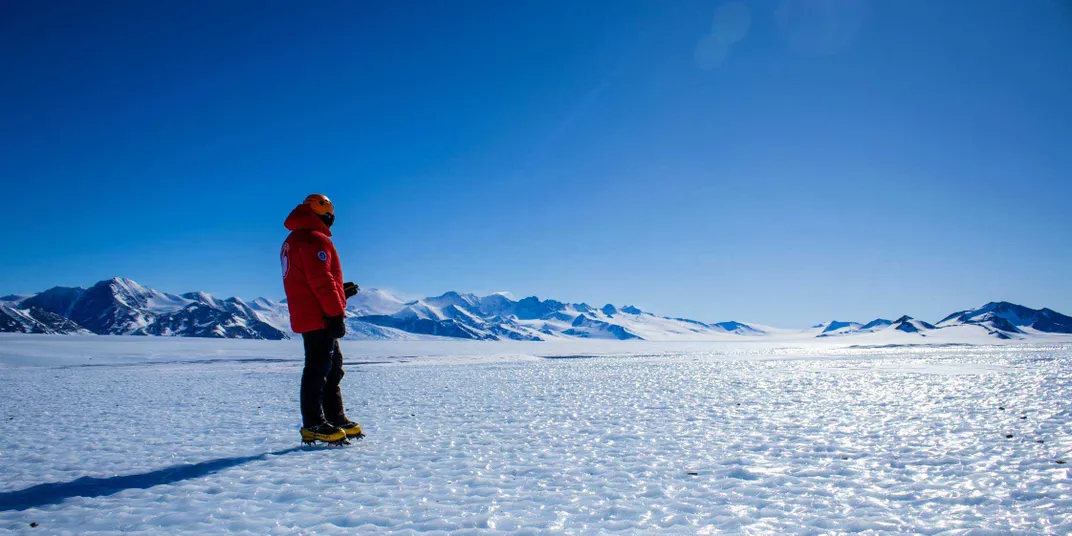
{"x": 284, "y": 259}
{"x": 323, "y": 256}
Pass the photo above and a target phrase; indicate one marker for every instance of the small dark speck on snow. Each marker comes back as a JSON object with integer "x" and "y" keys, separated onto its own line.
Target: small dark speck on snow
{"x": 1060, "y": 462}
{"x": 33, "y": 524}
{"x": 1001, "y": 408}
{"x": 1008, "y": 436}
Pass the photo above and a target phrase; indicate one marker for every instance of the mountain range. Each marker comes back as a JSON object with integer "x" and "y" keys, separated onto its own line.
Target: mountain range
{"x": 121, "y": 306}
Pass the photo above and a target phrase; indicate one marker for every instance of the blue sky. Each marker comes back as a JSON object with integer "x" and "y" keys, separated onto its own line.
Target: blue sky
{"x": 782, "y": 162}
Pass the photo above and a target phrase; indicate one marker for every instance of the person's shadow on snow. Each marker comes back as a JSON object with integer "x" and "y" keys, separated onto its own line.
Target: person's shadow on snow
{"x": 87, "y": 486}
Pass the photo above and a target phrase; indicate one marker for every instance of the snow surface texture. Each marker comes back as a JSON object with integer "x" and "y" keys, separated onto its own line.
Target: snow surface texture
{"x": 692, "y": 439}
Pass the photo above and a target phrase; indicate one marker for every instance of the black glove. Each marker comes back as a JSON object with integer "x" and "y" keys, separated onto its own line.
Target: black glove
{"x": 349, "y": 289}
{"x": 336, "y": 327}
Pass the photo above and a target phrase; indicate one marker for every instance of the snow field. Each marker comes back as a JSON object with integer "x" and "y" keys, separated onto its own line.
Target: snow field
{"x": 890, "y": 440}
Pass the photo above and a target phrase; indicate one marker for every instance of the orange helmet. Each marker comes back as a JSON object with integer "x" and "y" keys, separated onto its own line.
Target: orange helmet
{"x": 320, "y": 204}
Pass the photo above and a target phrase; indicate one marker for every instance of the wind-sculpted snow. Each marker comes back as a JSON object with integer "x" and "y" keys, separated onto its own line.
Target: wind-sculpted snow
{"x": 763, "y": 441}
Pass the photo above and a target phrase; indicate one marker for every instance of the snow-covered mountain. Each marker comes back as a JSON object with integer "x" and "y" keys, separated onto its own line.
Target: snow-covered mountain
{"x": 1001, "y": 320}
{"x": 375, "y": 302}
{"x": 500, "y": 317}
{"x": 1006, "y": 320}
{"x": 875, "y": 325}
{"x": 116, "y": 306}
{"x": 497, "y": 317}
{"x": 908, "y": 324}
{"x": 17, "y": 319}
{"x": 738, "y": 328}
{"x": 123, "y": 307}
{"x": 225, "y": 320}
{"x": 836, "y": 328}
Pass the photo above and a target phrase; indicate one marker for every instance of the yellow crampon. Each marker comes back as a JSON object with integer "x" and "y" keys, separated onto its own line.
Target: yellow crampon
{"x": 309, "y": 436}
{"x": 353, "y": 431}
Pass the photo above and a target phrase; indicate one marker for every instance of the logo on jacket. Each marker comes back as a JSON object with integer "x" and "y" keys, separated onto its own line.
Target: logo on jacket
{"x": 323, "y": 256}
{"x": 284, "y": 259}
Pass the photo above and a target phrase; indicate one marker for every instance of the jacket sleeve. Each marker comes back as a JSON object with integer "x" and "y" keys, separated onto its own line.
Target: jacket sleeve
{"x": 317, "y": 258}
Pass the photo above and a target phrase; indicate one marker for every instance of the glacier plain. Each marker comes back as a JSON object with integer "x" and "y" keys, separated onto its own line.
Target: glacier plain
{"x": 150, "y": 436}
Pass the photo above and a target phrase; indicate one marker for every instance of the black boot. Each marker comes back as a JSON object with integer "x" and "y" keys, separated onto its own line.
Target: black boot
{"x": 323, "y": 432}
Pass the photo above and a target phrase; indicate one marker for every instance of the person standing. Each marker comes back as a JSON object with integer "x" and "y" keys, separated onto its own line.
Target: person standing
{"x": 316, "y": 298}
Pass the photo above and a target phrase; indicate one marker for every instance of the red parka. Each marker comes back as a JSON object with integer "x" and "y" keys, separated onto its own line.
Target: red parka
{"x": 312, "y": 274}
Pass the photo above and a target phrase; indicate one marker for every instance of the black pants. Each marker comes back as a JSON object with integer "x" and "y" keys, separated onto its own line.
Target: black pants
{"x": 321, "y": 398}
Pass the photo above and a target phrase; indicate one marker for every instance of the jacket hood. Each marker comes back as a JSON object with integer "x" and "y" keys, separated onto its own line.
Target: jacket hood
{"x": 303, "y": 218}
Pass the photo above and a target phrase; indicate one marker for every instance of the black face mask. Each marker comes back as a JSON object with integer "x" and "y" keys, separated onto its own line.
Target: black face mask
{"x": 328, "y": 219}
